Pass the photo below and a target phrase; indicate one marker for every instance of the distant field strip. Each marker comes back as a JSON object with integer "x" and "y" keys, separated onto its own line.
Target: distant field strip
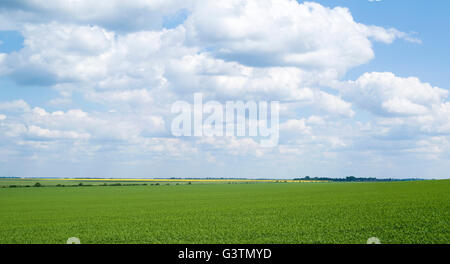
{"x": 181, "y": 180}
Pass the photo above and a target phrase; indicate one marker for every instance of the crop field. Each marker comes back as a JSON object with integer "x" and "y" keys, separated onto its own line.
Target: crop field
{"x": 49, "y": 182}
{"x": 395, "y": 212}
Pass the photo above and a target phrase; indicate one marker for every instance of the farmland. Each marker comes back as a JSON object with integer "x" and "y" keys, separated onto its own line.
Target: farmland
{"x": 395, "y": 212}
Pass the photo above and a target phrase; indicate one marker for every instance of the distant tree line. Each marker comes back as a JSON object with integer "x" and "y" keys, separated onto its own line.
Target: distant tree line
{"x": 350, "y": 179}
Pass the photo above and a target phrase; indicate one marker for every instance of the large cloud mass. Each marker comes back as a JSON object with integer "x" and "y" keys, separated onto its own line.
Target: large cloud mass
{"x": 284, "y": 33}
{"x": 117, "y": 66}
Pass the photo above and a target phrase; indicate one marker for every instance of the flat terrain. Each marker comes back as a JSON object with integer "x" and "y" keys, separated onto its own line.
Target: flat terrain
{"x": 395, "y": 212}
{"x": 49, "y": 182}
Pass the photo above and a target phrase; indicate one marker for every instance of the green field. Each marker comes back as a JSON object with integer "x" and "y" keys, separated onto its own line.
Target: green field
{"x": 395, "y": 212}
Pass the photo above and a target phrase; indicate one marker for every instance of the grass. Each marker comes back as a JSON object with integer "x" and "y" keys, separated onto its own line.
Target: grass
{"x": 395, "y": 212}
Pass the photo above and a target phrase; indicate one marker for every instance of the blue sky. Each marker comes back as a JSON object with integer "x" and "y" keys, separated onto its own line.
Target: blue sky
{"x": 428, "y": 20}
{"x": 86, "y": 90}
